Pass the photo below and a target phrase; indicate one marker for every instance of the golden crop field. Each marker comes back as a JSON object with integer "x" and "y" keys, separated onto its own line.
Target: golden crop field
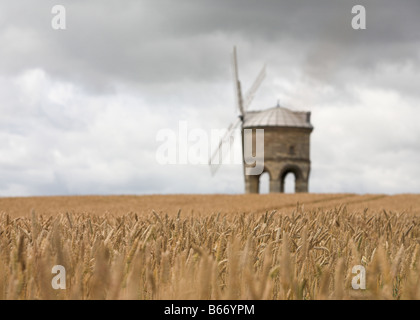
{"x": 297, "y": 246}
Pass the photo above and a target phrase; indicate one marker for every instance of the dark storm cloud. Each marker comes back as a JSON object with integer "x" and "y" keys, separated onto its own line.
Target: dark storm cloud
{"x": 166, "y": 41}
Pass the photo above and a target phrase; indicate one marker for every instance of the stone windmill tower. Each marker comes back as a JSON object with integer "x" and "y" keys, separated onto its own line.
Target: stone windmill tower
{"x": 286, "y": 147}
{"x": 286, "y": 139}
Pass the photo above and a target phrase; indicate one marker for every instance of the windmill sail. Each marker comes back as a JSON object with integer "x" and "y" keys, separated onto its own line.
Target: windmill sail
{"x": 237, "y": 83}
{"x": 216, "y": 158}
{"x": 251, "y": 92}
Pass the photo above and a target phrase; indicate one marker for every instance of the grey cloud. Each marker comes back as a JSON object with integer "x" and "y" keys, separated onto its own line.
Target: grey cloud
{"x": 158, "y": 41}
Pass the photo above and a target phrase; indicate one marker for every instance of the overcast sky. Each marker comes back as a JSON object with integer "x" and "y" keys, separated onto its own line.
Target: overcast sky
{"x": 80, "y": 108}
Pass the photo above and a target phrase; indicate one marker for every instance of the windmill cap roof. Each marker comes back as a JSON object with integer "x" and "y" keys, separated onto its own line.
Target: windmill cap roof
{"x": 278, "y": 117}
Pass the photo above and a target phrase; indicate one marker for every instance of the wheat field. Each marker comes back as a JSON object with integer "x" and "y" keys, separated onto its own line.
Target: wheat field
{"x": 211, "y": 246}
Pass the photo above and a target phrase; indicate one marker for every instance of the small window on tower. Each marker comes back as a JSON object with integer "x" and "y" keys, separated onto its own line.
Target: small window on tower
{"x": 292, "y": 150}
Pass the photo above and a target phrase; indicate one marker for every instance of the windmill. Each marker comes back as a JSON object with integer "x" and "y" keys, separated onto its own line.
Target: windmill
{"x": 242, "y": 105}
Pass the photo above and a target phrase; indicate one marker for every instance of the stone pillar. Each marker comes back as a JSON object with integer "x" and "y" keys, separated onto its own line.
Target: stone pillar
{"x": 275, "y": 186}
{"x": 252, "y": 184}
{"x": 301, "y": 185}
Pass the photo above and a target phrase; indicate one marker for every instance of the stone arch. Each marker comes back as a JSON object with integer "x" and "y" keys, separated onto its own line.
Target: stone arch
{"x": 252, "y": 182}
{"x": 264, "y": 183}
{"x": 265, "y": 171}
{"x": 301, "y": 183}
